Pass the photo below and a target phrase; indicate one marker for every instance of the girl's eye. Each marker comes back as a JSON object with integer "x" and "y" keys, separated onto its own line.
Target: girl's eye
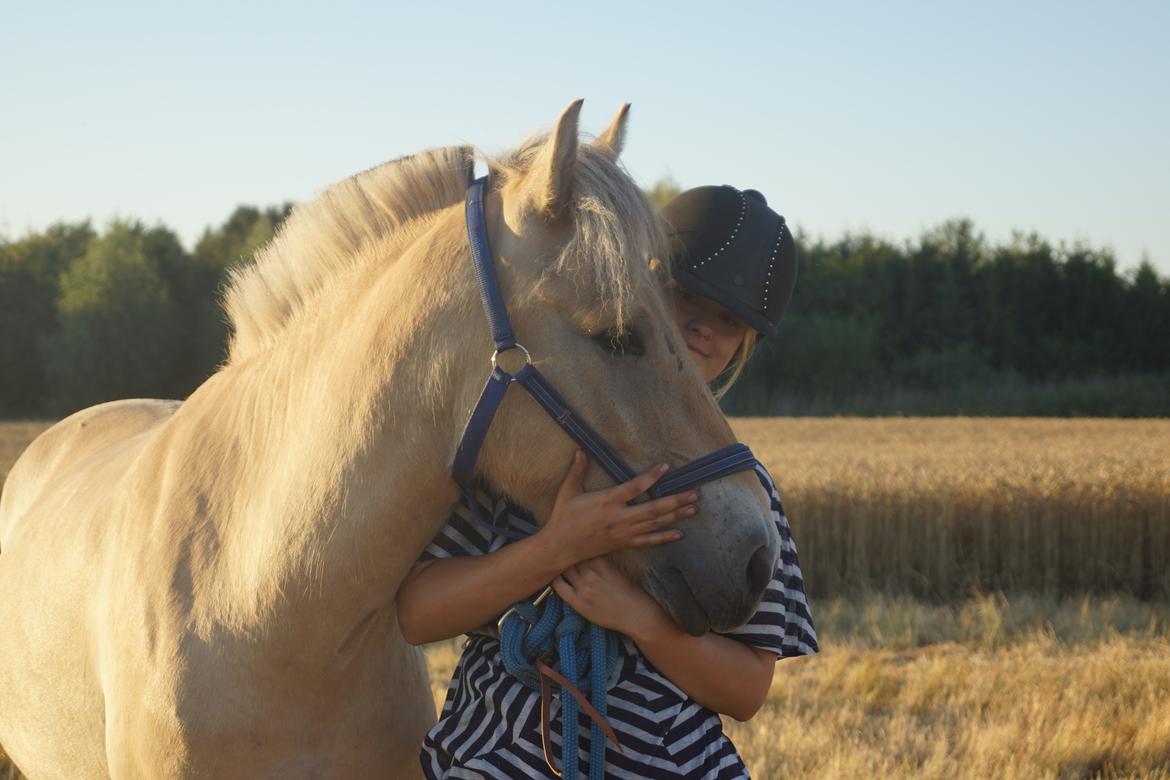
{"x": 730, "y": 321}
{"x": 623, "y": 343}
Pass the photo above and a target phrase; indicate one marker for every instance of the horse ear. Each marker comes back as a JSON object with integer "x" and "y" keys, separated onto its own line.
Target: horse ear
{"x": 613, "y": 139}
{"x": 554, "y": 166}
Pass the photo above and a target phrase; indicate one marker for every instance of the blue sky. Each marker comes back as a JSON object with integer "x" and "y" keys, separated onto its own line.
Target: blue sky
{"x": 891, "y": 117}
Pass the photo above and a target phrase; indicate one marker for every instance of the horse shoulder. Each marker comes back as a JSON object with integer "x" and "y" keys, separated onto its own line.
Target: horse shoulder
{"x": 60, "y": 449}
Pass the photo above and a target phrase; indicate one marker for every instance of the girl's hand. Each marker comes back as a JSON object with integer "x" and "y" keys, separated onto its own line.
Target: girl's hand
{"x": 602, "y": 594}
{"x": 587, "y": 525}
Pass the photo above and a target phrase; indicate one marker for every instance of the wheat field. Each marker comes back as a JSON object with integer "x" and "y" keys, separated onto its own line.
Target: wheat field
{"x": 940, "y": 507}
{"x": 991, "y": 596}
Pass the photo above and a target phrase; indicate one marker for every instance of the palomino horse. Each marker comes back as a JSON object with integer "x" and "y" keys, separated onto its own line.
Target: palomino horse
{"x": 206, "y": 588}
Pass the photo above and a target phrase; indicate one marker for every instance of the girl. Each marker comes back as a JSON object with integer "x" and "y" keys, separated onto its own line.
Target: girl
{"x": 734, "y": 265}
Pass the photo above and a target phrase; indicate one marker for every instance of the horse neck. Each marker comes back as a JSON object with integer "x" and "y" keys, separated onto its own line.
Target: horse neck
{"x": 347, "y": 480}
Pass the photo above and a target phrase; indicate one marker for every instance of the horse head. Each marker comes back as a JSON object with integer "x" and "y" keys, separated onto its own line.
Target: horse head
{"x": 573, "y": 237}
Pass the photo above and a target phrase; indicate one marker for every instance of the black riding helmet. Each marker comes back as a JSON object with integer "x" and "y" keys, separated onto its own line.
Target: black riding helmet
{"x": 727, "y": 245}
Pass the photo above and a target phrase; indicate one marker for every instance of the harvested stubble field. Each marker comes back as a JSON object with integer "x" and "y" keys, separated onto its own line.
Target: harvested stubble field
{"x": 994, "y": 687}
{"x": 910, "y": 531}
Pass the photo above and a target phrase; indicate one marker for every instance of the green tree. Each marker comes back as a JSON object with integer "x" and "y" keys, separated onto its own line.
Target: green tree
{"x": 822, "y": 356}
{"x": 1146, "y": 325}
{"x": 1018, "y": 285}
{"x": 219, "y": 250}
{"x": 29, "y": 272}
{"x": 663, "y": 191}
{"x": 119, "y": 334}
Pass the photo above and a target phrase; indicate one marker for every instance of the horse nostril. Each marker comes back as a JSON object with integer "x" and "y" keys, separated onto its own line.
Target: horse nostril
{"x": 759, "y": 569}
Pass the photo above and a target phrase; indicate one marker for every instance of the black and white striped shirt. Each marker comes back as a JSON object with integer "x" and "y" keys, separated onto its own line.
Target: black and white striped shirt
{"x": 490, "y": 723}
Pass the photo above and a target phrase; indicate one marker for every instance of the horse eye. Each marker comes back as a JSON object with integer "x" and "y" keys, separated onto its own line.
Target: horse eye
{"x": 624, "y": 343}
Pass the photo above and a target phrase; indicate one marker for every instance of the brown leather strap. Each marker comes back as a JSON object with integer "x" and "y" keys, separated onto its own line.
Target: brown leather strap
{"x": 546, "y": 673}
{"x": 545, "y": 741}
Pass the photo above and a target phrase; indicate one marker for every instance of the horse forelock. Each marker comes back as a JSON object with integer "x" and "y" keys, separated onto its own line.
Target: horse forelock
{"x": 615, "y": 229}
{"x": 325, "y": 236}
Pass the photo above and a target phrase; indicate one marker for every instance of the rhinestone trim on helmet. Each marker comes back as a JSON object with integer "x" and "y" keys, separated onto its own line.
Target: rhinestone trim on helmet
{"x": 731, "y": 238}
{"x": 772, "y": 262}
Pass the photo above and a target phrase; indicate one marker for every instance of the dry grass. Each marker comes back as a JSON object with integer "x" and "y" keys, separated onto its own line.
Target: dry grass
{"x": 991, "y": 687}
{"x": 988, "y": 622}
{"x": 1031, "y": 710}
{"x": 14, "y": 437}
{"x": 939, "y": 506}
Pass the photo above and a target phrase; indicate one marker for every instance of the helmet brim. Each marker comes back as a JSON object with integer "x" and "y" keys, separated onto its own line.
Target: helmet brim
{"x": 742, "y": 309}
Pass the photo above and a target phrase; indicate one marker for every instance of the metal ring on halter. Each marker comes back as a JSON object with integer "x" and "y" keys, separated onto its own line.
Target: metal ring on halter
{"x": 544, "y": 594}
{"x": 527, "y": 355}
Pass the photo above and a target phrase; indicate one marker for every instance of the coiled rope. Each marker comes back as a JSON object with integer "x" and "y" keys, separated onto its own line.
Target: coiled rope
{"x": 547, "y": 640}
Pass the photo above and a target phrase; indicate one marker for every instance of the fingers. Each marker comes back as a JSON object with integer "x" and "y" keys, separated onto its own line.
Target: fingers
{"x": 628, "y": 491}
{"x": 654, "y": 515}
{"x": 564, "y": 589}
{"x": 589, "y": 567}
{"x": 654, "y": 523}
{"x": 655, "y": 538}
{"x": 581, "y": 574}
{"x": 573, "y": 483}
{"x": 667, "y": 505}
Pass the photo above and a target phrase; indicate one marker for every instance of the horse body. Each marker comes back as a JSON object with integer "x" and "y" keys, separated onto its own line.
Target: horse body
{"x": 48, "y": 539}
{"x": 207, "y": 589}
{"x": 170, "y": 622}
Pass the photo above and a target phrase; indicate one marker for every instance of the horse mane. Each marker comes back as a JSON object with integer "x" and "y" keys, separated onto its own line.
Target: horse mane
{"x": 323, "y": 237}
{"x": 615, "y": 232}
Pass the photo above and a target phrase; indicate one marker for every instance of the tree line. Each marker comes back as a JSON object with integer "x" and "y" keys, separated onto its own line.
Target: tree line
{"x": 952, "y": 324}
{"x": 88, "y": 317}
{"x": 945, "y": 324}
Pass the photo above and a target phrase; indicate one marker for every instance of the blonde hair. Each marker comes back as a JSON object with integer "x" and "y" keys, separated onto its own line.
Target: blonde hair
{"x": 746, "y": 347}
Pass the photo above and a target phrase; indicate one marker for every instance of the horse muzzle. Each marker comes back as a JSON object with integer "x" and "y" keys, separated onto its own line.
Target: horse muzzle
{"x": 715, "y": 577}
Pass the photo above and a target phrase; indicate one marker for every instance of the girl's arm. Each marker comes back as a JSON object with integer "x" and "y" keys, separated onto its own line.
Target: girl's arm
{"x": 721, "y": 673}
{"x": 443, "y": 598}
{"x": 446, "y": 597}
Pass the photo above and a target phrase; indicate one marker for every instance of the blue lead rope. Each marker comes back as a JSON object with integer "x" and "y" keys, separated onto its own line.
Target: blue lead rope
{"x": 529, "y": 632}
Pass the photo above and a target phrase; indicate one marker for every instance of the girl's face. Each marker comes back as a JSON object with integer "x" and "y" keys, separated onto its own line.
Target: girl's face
{"x": 712, "y": 331}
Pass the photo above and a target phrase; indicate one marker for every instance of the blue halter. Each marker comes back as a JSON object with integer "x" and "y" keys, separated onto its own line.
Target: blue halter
{"x": 524, "y": 648}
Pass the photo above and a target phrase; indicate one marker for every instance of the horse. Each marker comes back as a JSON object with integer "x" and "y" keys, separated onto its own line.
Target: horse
{"x": 206, "y": 588}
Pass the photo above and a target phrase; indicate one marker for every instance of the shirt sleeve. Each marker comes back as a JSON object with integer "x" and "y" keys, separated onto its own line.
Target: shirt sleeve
{"x": 783, "y": 623}
{"x": 467, "y": 534}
